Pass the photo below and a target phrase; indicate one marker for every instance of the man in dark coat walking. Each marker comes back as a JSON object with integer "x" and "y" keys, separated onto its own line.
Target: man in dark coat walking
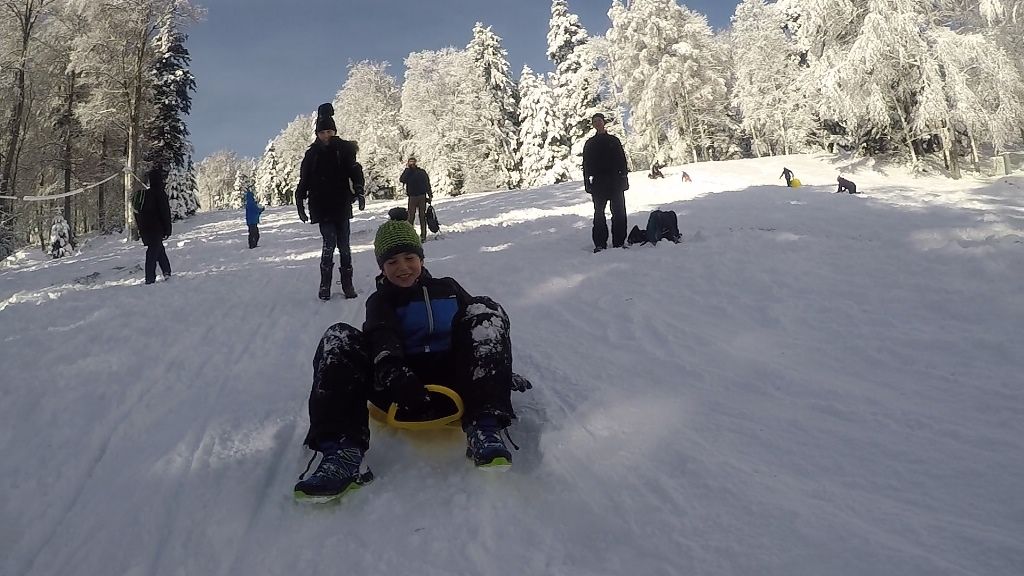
{"x": 417, "y": 188}
{"x": 606, "y": 178}
{"x": 332, "y": 180}
{"x": 153, "y": 218}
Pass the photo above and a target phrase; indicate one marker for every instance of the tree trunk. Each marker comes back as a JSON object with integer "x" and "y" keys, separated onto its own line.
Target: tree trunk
{"x": 906, "y": 134}
{"x": 974, "y": 151}
{"x": 134, "y": 126}
{"x": 101, "y": 198}
{"x": 950, "y": 150}
{"x": 68, "y": 120}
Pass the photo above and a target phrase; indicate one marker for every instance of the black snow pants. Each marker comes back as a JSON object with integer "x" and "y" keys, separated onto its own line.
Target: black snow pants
{"x": 478, "y": 367}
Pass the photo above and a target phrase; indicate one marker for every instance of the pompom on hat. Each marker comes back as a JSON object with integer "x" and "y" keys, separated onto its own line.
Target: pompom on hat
{"x": 395, "y": 237}
{"x": 325, "y": 118}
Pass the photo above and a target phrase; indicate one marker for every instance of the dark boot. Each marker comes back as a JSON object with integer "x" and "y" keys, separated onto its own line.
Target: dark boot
{"x": 338, "y": 473}
{"x": 346, "y": 282}
{"x": 325, "y": 284}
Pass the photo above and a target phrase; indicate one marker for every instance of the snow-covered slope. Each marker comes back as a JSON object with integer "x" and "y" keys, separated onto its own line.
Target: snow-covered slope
{"x": 810, "y": 384}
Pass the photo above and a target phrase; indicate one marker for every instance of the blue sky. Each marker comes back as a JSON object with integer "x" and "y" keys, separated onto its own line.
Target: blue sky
{"x": 260, "y": 63}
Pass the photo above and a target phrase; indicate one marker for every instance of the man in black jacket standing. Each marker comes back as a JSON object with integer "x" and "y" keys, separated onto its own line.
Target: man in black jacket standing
{"x": 153, "y": 218}
{"x": 417, "y": 188}
{"x": 606, "y": 178}
{"x": 332, "y": 179}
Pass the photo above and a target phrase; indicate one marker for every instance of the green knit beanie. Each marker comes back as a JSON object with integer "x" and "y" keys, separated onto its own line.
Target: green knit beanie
{"x": 395, "y": 237}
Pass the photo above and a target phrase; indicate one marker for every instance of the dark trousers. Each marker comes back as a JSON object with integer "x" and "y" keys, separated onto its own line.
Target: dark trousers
{"x": 155, "y": 254}
{"x": 254, "y": 235}
{"x": 602, "y": 198}
{"x": 418, "y": 205}
{"x": 335, "y": 235}
{"x": 478, "y": 367}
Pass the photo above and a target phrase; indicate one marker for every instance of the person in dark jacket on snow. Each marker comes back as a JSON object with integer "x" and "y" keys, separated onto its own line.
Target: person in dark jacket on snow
{"x": 332, "y": 180}
{"x": 417, "y": 188}
{"x": 252, "y": 217}
{"x": 418, "y": 330}
{"x": 606, "y": 179}
{"x": 153, "y": 219}
{"x": 846, "y": 186}
{"x": 788, "y": 175}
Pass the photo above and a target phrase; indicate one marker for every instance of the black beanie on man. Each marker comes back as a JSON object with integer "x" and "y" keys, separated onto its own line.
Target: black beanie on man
{"x": 325, "y": 118}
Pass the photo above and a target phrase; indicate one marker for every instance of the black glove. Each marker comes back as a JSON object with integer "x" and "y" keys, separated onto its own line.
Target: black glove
{"x": 404, "y": 387}
{"x": 302, "y": 214}
{"x": 362, "y": 201}
{"x": 587, "y": 186}
{"x": 625, "y": 182}
{"x": 520, "y": 384}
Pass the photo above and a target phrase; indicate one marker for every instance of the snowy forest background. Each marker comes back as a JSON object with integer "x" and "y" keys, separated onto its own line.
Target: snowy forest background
{"x": 91, "y": 88}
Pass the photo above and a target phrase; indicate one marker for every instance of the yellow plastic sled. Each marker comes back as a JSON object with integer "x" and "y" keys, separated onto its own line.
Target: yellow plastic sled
{"x": 794, "y": 183}
{"x": 390, "y": 417}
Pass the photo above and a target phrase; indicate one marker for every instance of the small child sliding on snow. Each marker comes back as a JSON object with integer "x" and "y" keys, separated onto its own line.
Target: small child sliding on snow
{"x": 418, "y": 330}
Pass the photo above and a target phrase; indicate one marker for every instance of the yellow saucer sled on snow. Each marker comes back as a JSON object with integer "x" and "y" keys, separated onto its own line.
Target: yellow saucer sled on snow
{"x": 390, "y": 417}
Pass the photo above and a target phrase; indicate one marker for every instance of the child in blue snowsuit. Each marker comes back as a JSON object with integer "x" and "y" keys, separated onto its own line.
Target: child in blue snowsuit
{"x": 252, "y": 217}
{"x": 418, "y": 330}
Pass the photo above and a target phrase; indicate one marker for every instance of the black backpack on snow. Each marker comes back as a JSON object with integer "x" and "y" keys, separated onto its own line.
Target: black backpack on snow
{"x": 663, "y": 225}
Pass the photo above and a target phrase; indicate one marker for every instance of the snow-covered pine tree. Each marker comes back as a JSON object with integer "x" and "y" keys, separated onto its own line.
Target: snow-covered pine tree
{"x": 574, "y": 80}
{"x": 60, "y": 237}
{"x": 499, "y": 110}
{"x": 538, "y": 133}
{"x": 767, "y": 87}
{"x": 271, "y": 189}
{"x": 172, "y": 82}
{"x": 181, "y": 190}
{"x": 367, "y": 109}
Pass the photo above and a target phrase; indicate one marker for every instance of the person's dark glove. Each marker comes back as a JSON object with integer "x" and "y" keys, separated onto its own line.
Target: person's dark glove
{"x": 404, "y": 387}
{"x": 302, "y": 214}
{"x": 520, "y": 384}
{"x": 588, "y": 186}
{"x": 625, "y": 182}
{"x": 361, "y": 199}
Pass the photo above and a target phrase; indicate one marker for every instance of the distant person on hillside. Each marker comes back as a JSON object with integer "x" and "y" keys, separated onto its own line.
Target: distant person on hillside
{"x": 153, "y": 218}
{"x": 332, "y": 179}
{"x": 418, "y": 330}
{"x": 606, "y": 179}
{"x": 252, "y": 217}
{"x": 686, "y": 178}
{"x": 846, "y": 186}
{"x": 788, "y": 175}
{"x": 656, "y": 171}
{"x": 417, "y": 188}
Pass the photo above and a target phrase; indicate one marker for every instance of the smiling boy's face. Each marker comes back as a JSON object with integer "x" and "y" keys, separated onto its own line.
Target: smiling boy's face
{"x": 403, "y": 269}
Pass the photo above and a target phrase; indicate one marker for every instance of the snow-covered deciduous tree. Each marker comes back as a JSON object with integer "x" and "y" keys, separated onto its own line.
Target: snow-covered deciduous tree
{"x": 115, "y": 53}
{"x": 440, "y": 100}
{"x": 575, "y": 81}
{"x": 901, "y": 70}
{"x": 60, "y": 237}
{"x": 244, "y": 180}
{"x": 539, "y": 133}
{"x": 499, "y": 103}
{"x": 215, "y": 179}
{"x": 672, "y": 73}
{"x": 367, "y": 109}
{"x": 768, "y": 85}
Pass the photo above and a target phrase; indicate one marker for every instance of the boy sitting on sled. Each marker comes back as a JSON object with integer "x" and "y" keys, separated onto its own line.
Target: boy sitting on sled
{"x": 418, "y": 330}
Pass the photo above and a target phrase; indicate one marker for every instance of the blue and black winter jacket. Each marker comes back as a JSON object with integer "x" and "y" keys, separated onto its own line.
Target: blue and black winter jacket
{"x": 415, "y": 320}
{"x": 252, "y": 209}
